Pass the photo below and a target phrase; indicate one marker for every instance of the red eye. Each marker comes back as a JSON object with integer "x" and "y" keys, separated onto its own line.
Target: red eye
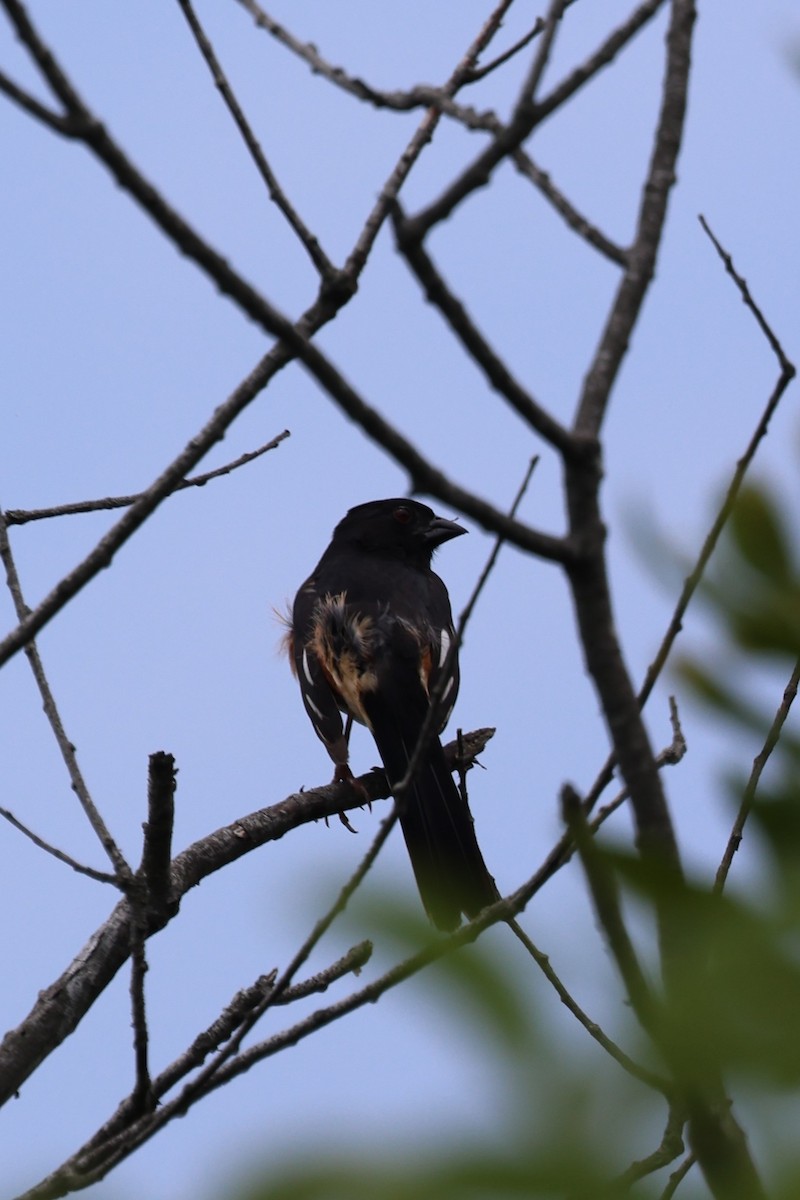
{"x": 402, "y": 514}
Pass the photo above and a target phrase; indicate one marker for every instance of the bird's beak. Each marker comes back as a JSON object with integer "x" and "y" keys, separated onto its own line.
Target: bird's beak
{"x": 440, "y": 530}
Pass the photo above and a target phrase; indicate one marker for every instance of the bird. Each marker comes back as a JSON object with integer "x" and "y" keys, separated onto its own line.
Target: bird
{"x": 371, "y": 636}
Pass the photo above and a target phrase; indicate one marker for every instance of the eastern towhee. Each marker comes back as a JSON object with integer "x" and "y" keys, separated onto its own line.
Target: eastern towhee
{"x": 370, "y": 634}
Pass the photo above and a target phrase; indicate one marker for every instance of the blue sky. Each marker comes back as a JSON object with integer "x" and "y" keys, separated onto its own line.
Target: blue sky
{"x": 116, "y": 350}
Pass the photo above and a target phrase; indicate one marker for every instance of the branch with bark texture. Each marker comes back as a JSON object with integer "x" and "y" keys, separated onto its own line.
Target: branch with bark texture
{"x": 60, "y": 1007}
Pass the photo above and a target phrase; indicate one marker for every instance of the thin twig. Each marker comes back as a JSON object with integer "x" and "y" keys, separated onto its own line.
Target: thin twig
{"x": 89, "y": 1166}
{"x": 222, "y": 1029}
{"x": 677, "y": 1177}
{"x": 478, "y": 73}
{"x": 437, "y": 292}
{"x": 574, "y": 219}
{"x": 604, "y": 891}
{"x": 692, "y": 581}
{"x": 526, "y": 116}
{"x": 541, "y": 58}
{"x": 751, "y": 787}
{"x": 601, "y": 58}
{"x": 671, "y": 755}
{"x": 150, "y": 899}
{"x": 350, "y": 963}
{"x": 81, "y": 868}
{"x": 84, "y": 126}
{"x": 19, "y": 516}
{"x": 142, "y": 508}
{"x": 421, "y": 96}
{"x": 667, "y": 1151}
{"x": 542, "y": 960}
{"x": 429, "y": 96}
{"x": 422, "y": 136}
{"x": 308, "y": 240}
{"x": 741, "y": 283}
{"x": 34, "y": 107}
{"x": 65, "y": 746}
{"x": 98, "y": 1161}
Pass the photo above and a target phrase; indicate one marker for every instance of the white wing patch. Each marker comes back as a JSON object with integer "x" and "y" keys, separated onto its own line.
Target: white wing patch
{"x": 444, "y": 646}
{"x": 313, "y": 706}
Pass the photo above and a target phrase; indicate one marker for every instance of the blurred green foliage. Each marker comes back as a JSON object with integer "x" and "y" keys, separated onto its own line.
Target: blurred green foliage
{"x": 754, "y": 596}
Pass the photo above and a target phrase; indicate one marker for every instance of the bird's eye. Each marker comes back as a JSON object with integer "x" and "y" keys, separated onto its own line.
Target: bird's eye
{"x": 402, "y": 514}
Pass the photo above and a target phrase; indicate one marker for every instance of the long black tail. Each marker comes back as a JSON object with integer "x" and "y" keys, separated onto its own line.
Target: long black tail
{"x": 437, "y": 825}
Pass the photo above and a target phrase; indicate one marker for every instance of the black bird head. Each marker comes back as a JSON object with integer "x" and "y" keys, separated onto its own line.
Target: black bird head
{"x": 396, "y": 529}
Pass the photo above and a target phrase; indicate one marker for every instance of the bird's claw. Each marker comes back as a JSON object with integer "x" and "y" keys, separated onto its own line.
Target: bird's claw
{"x": 343, "y": 774}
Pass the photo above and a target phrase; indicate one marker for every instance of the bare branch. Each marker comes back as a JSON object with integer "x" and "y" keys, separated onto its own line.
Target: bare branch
{"x": 655, "y": 836}
{"x": 429, "y": 96}
{"x": 60, "y": 1007}
{"x": 473, "y": 341}
{"x": 143, "y": 1098}
{"x": 350, "y": 963}
{"x": 751, "y": 787}
{"x": 77, "y": 782}
{"x": 526, "y": 116}
{"x": 320, "y": 66}
{"x": 81, "y": 868}
{"x": 102, "y": 554}
{"x": 692, "y": 581}
{"x": 428, "y": 479}
{"x": 419, "y": 141}
{"x": 88, "y": 1166}
{"x": 671, "y": 755}
{"x": 602, "y": 57}
{"x": 605, "y": 897}
{"x": 576, "y": 221}
{"x": 787, "y": 367}
{"x": 478, "y": 73}
{"x": 422, "y": 96}
{"x": 308, "y": 240}
{"x": 223, "y": 1028}
{"x": 204, "y": 1044}
{"x": 657, "y": 1082}
{"x": 670, "y": 1147}
{"x": 294, "y": 343}
{"x": 157, "y": 850}
{"x": 642, "y": 255}
{"x": 85, "y": 127}
{"x": 34, "y": 107}
{"x": 677, "y": 1177}
{"x": 541, "y": 58}
{"x": 20, "y": 516}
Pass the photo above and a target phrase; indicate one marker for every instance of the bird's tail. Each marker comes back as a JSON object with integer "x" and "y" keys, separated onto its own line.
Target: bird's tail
{"x": 437, "y": 825}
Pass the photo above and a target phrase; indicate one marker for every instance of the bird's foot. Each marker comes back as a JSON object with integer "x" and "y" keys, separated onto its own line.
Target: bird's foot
{"x": 343, "y": 774}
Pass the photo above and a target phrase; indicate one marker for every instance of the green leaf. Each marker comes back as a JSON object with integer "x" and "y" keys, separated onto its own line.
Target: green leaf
{"x": 759, "y": 534}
